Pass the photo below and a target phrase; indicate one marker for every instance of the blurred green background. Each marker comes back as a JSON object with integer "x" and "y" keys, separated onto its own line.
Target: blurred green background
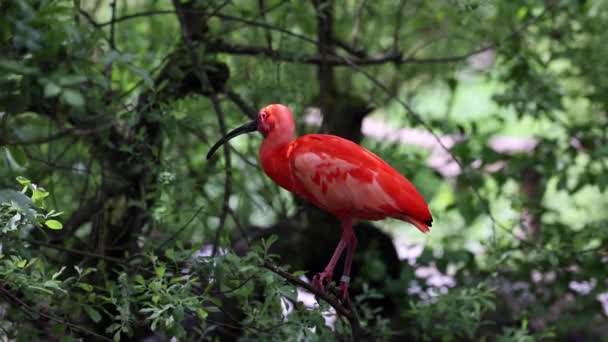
{"x": 115, "y": 226}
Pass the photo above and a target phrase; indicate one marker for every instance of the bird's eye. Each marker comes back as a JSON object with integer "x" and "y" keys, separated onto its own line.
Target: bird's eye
{"x": 263, "y": 115}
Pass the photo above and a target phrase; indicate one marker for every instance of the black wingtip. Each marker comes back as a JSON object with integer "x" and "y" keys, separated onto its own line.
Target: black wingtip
{"x": 429, "y": 223}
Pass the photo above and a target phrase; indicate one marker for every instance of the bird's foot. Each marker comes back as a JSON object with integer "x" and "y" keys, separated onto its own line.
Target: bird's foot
{"x": 322, "y": 281}
{"x": 344, "y": 288}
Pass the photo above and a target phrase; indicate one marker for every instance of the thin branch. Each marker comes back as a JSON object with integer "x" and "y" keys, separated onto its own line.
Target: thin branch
{"x": 33, "y": 313}
{"x": 346, "y": 311}
{"x": 398, "y": 20}
{"x": 325, "y": 47}
{"x": 239, "y": 225}
{"x": 181, "y": 229}
{"x": 361, "y": 53}
{"x": 239, "y": 102}
{"x": 395, "y": 57}
{"x": 236, "y": 288}
{"x": 389, "y": 57}
{"x": 113, "y": 25}
{"x": 202, "y": 76}
{"x": 357, "y": 25}
{"x": 59, "y": 135}
{"x": 89, "y": 18}
{"x": 76, "y": 251}
{"x": 132, "y": 16}
{"x": 85, "y": 187}
{"x": 262, "y": 6}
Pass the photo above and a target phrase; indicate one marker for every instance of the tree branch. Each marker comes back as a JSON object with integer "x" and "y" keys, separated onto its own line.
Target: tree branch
{"x": 243, "y": 106}
{"x": 202, "y": 76}
{"x": 262, "y": 6}
{"x": 345, "y": 310}
{"x": 389, "y": 57}
{"x": 113, "y": 25}
{"x": 23, "y": 306}
{"x": 395, "y": 57}
{"x": 59, "y": 135}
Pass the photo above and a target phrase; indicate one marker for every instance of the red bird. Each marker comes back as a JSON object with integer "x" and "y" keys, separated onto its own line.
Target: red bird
{"x": 336, "y": 175}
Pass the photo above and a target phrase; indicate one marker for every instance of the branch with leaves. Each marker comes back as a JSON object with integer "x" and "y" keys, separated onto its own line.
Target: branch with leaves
{"x": 343, "y": 309}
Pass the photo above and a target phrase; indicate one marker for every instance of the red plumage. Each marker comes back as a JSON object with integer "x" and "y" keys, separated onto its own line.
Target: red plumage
{"x": 336, "y": 175}
{"x": 346, "y": 179}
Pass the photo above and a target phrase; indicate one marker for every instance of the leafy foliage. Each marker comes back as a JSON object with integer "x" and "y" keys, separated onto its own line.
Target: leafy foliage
{"x": 455, "y": 315}
{"x": 113, "y": 226}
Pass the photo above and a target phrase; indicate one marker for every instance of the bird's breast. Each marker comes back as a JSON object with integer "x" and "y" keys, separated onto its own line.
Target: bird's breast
{"x": 276, "y": 165}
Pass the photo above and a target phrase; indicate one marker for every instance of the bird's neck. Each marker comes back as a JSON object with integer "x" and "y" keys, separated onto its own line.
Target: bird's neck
{"x": 274, "y": 157}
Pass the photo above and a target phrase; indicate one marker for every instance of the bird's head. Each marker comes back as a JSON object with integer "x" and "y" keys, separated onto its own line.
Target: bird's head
{"x": 274, "y": 121}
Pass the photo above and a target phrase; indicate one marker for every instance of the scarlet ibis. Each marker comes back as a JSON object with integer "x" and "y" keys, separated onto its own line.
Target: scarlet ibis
{"x": 336, "y": 175}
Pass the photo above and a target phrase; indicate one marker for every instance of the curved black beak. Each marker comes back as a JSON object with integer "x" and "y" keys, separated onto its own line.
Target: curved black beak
{"x": 246, "y": 128}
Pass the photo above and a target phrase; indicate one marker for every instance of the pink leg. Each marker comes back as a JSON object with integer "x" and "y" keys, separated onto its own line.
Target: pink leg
{"x": 351, "y": 245}
{"x": 322, "y": 280}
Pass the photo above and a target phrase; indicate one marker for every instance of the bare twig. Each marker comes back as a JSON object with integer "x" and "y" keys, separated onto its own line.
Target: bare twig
{"x": 93, "y": 255}
{"x": 113, "y": 25}
{"x": 262, "y": 6}
{"x": 202, "y": 76}
{"x": 395, "y": 57}
{"x": 181, "y": 229}
{"x": 389, "y": 57}
{"x": 59, "y": 135}
{"x": 239, "y": 102}
{"x": 325, "y": 47}
{"x": 357, "y": 25}
{"x": 398, "y": 21}
{"x": 357, "y": 52}
{"x": 90, "y": 19}
{"x": 33, "y": 313}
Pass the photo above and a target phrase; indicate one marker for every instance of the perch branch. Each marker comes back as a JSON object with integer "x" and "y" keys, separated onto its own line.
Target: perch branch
{"x": 344, "y": 310}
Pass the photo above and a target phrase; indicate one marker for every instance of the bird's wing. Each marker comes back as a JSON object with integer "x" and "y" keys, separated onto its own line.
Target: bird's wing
{"x": 350, "y": 181}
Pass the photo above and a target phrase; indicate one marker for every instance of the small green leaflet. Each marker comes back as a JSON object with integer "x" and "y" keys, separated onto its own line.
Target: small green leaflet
{"x": 53, "y": 224}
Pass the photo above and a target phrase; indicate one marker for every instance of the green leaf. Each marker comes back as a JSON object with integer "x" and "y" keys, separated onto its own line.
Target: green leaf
{"x": 139, "y": 279}
{"x": 52, "y": 284}
{"x": 160, "y": 271}
{"x": 142, "y": 73}
{"x": 298, "y": 273}
{"x": 23, "y": 180}
{"x": 86, "y": 287}
{"x": 51, "y": 89}
{"x": 93, "y": 314}
{"x": 73, "y": 97}
{"x": 16, "y": 67}
{"x": 58, "y": 329}
{"x": 58, "y": 273}
{"x": 72, "y": 80}
{"x": 53, "y": 224}
{"x": 38, "y": 195}
{"x": 41, "y": 289}
{"x": 267, "y": 243}
{"x": 170, "y": 254}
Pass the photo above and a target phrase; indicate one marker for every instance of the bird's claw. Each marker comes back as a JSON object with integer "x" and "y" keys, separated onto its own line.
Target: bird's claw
{"x": 322, "y": 281}
{"x": 344, "y": 289}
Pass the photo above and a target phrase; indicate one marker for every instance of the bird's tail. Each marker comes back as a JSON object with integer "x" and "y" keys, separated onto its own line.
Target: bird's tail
{"x": 422, "y": 226}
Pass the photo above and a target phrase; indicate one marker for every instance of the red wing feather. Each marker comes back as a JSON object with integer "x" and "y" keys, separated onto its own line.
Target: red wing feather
{"x": 348, "y": 180}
